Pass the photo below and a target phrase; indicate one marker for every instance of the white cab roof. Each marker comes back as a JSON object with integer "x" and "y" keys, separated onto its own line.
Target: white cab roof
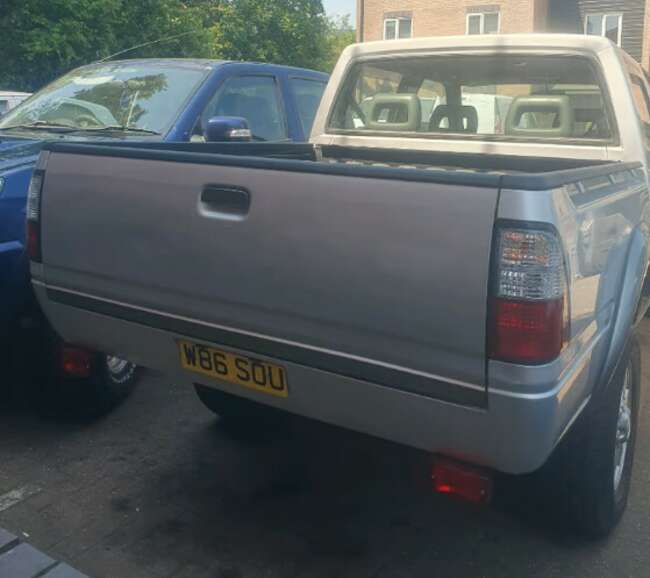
{"x": 484, "y": 41}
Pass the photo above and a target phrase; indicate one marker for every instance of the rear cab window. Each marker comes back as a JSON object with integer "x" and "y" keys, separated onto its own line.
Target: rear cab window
{"x": 503, "y": 97}
{"x": 307, "y": 94}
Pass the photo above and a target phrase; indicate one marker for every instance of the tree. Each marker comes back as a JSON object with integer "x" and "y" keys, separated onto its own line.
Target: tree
{"x": 340, "y": 34}
{"x": 292, "y": 32}
{"x": 42, "y": 39}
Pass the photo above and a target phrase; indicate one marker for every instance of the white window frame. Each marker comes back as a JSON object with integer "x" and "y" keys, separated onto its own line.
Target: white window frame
{"x": 604, "y": 16}
{"x": 397, "y": 20}
{"x": 482, "y": 21}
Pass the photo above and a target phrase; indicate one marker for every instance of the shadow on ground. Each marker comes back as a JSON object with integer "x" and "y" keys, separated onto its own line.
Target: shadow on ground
{"x": 158, "y": 489}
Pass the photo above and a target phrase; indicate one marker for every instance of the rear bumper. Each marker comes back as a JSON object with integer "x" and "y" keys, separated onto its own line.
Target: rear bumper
{"x": 510, "y": 432}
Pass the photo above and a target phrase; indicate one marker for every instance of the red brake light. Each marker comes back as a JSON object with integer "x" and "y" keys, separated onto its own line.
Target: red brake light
{"x": 527, "y": 331}
{"x": 33, "y": 233}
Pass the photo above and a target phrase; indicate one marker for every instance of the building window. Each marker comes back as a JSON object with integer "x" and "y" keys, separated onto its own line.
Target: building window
{"x": 607, "y": 25}
{"x": 395, "y": 28}
{"x": 483, "y": 23}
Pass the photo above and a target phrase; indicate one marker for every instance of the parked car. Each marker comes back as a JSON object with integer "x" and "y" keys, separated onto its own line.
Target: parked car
{"x": 152, "y": 100}
{"x": 9, "y": 100}
{"x": 474, "y": 295}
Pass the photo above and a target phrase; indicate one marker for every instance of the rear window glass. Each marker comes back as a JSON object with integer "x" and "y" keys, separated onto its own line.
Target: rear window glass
{"x": 505, "y": 97}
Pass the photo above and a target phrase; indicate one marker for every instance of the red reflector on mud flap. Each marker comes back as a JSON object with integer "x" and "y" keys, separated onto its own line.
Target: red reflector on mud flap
{"x": 75, "y": 361}
{"x": 467, "y": 482}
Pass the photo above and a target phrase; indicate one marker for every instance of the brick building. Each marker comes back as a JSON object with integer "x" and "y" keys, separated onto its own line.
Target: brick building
{"x": 626, "y": 22}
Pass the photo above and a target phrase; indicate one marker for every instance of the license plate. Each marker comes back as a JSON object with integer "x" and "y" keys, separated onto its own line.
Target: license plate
{"x": 224, "y": 366}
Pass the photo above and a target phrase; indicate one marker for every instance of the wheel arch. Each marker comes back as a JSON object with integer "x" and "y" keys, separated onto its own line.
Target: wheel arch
{"x": 630, "y": 306}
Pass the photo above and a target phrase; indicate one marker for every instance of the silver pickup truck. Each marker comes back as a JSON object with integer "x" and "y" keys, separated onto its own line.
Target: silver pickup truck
{"x": 456, "y": 261}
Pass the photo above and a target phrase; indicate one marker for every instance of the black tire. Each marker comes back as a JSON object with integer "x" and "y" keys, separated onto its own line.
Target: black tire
{"x": 240, "y": 416}
{"x": 580, "y": 476}
{"x": 35, "y": 370}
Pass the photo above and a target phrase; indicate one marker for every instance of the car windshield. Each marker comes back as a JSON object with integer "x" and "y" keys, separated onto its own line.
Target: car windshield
{"x": 506, "y": 97}
{"x": 131, "y": 96}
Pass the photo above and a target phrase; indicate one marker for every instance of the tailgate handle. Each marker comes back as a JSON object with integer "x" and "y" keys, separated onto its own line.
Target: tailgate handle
{"x": 225, "y": 199}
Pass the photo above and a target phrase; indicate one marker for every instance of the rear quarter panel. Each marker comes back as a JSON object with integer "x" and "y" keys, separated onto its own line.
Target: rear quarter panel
{"x": 603, "y": 225}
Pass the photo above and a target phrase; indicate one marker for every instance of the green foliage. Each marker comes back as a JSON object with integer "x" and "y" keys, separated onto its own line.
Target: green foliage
{"x": 292, "y": 32}
{"x": 340, "y": 34}
{"x": 42, "y": 39}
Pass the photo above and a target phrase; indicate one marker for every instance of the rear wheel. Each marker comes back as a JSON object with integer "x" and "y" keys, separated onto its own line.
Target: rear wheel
{"x": 593, "y": 464}
{"x": 110, "y": 382}
{"x": 239, "y": 416}
{"x": 120, "y": 374}
{"x": 107, "y": 382}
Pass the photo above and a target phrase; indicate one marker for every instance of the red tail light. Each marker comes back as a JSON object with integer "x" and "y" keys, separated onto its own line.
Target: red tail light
{"x": 33, "y": 233}
{"x": 529, "y": 315}
{"x": 33, "y": 241}
{"x": 527, "y": 331}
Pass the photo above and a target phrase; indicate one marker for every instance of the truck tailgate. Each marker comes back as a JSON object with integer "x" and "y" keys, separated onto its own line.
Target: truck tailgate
{"x": 380, "y": 279}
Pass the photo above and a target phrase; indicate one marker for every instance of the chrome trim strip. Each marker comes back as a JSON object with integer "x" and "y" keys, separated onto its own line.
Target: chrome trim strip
{"x": 334, "y": 361}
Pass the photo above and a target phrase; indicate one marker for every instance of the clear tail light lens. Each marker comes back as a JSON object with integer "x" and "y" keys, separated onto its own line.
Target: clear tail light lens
{"x": 529, "y": 321}
{"x": 34, "y": 196}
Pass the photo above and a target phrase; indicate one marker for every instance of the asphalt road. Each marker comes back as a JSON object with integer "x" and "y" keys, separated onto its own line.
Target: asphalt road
{"x": 157, "y": 490}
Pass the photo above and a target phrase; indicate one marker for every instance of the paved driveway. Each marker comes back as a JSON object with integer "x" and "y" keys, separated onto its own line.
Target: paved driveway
{"x": 158, "y": 490}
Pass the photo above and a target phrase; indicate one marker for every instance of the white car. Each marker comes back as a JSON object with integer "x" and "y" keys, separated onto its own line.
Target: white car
{"x": 9, "y": 100}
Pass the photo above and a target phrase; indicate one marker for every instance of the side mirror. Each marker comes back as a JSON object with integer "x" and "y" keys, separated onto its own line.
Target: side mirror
{"x": 228, "y": 129}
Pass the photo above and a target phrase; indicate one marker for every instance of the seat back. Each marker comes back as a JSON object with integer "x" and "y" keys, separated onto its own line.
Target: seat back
{"x": 544, "y": 116}
{"x": 465, "y": 122}
{"x": 394, "y": 112}
{"x": 591, "y": 123}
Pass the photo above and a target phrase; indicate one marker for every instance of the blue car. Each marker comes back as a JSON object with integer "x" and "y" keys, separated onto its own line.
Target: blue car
{"x": 169, "y": 100}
